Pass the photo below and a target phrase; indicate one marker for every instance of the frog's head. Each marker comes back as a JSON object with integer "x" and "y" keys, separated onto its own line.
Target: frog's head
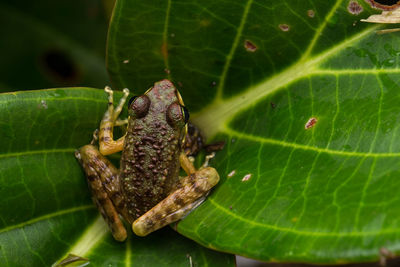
{"x": 161, "y": 103}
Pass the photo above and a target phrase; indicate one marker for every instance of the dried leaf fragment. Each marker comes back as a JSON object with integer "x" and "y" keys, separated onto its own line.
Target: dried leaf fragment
{"x": 386, "y": 17}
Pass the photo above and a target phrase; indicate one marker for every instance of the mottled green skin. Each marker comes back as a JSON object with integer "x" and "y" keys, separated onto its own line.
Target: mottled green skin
{"x": 149, "y": 168}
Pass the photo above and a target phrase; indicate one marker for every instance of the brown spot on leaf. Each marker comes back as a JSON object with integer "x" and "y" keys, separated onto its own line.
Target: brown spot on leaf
{"x": 250, "y": 46}
{"x": 354, "y": 7}
{"x": 310, "y": 123}
{"x": 205, "y": 23}
{"x": 164, "y": 50}
{"x": 310, "y": 13}
{"x": 284, "y": 27}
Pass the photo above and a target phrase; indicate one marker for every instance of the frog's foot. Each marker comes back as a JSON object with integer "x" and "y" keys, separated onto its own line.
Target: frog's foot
{"x": 107, "y": 145}
{"x": 120, "y": 122}
{"x": 95, "y": 137}
{"x": 207, "y": 161}
{"x": 121, "y": 103}
{"x": 103, "y": 181}
{"x": 192, "y": 192}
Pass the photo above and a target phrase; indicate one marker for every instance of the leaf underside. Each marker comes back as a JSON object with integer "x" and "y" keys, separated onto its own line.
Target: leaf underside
{"x": 255, "y": 74}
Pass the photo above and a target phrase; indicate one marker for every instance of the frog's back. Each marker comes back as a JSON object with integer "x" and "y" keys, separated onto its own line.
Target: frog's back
{"x": 150, "y": 161}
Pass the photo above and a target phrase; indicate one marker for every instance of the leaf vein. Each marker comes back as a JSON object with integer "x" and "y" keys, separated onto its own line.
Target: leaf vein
{"x": 45, "y": 217}
{"x": 271, "y": 141}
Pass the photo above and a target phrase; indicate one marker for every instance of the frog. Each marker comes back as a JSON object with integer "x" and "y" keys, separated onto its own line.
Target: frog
{"x": 146, "y": 191}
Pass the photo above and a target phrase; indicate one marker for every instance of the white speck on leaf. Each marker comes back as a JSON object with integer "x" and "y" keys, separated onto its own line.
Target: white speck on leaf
{"x": 126, "y": 61}
{"x": 43, "y": 104}
{"x": 232, "y": 173}
{"x": 246, "y": 177}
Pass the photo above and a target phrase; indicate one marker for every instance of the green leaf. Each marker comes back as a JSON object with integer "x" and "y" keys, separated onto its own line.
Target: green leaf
{"x": 52, "y": 44}
{"x": 254, "y": 73}
{"x": 45, "y": 210}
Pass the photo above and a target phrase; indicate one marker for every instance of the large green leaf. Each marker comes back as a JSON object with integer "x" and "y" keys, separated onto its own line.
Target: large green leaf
{"x": 45, "y": 208}
{"x": 52, "y": 44}
{"x": 254, "y": 73}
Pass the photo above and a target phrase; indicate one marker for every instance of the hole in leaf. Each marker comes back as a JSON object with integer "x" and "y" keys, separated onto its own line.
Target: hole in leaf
{"x": 250, "y": 46}
{"x": 310, "y": 123}
{"x": 384, "y": 4}
{"x": 284, "y": 27}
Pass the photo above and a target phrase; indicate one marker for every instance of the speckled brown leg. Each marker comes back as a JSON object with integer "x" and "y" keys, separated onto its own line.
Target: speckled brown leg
{"x": 189, "y": 195}
{"x": 107, "y": 145}
{"x": 103, "y": 181}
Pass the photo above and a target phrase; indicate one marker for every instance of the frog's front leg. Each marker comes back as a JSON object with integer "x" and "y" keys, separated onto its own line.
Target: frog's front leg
{"x": 107, "y": 145}
{"x": 103, "y": 181}
{"x": 189, "y": 194}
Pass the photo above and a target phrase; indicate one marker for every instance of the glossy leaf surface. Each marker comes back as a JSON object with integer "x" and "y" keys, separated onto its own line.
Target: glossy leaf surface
{"x": 306, "y": 98}
{"x": 45, "y": 208}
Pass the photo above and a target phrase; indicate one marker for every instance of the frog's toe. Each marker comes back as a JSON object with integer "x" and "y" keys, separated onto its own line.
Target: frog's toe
{"x": 141, "y": 227}
{"x": 78, "y": 155}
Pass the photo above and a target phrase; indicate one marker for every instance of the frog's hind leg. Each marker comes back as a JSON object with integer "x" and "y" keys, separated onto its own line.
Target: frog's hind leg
{"x": 189, "y": 195}
{"x": 107, "y": 145}
{"x": 103, "y": 181}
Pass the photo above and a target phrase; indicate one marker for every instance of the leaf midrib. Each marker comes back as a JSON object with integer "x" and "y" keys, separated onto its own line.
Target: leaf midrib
{"x": 215, "y": 117}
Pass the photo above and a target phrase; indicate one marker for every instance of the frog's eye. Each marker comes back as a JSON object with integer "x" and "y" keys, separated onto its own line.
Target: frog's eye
{"x": 139, "y": 106}
{"x": 185, "y": 112}
{"x": 176, "y": 115}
